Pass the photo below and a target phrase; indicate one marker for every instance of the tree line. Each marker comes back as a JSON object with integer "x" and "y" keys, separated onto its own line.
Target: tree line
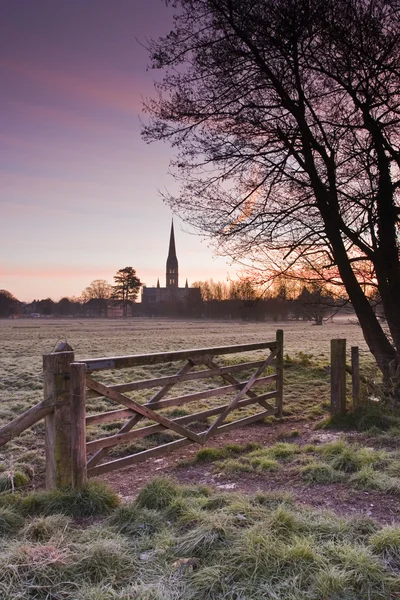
{"x": 93, "y": 300}
{"x": 217, "y": 300}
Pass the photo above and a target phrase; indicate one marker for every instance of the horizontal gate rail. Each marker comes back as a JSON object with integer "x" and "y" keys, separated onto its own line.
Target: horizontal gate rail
{"x": 201, "y": 354}
{"x": 149, "y": 383}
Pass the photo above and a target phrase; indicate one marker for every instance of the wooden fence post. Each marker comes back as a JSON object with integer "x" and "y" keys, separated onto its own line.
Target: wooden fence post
{"x": 78, "y": 429}
{"x": 338, "y": 377}
{"x": 279, "y": 373}
{"x": 355, "y": 376}
{"x": 56, "y": 383}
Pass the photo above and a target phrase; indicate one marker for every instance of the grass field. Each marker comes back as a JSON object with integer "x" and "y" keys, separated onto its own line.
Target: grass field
{"x": 175, "y": 542}
{"x": 25, "y": 341}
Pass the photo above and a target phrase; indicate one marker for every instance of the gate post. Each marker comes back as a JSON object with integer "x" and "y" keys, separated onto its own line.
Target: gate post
{"x": 355, "y": 376}
{"x": 78, "y": 428}
{"x": 338, "y": 377}
{"x": 279, "y": 373}
{"x": 56, "y": 387}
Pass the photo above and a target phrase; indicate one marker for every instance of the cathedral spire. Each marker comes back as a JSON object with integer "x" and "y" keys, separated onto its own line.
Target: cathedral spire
{"x": 172, "y": 262}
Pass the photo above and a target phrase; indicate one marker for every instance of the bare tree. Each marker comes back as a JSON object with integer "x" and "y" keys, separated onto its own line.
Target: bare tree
{"x": 285, "y": 114}
{"x": 99, "y": 289}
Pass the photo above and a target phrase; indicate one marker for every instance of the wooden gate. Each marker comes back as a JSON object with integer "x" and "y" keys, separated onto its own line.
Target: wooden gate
{"x": 70, "y": 386}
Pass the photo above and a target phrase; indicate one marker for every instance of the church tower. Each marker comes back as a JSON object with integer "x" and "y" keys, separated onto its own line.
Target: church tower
{"x": 172, "y": 262}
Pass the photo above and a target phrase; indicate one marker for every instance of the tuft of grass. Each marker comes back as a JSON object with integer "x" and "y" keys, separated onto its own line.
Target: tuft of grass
{"x": 94, "y": 499}
{"x": 234, "y": 466}
{"x": 273, "y": 499}
{"x": 319, "y": 472}
{"x": 387, "y": 543}
{"x": 208, "y": 455}
{"x": 10, "y": 521}
{"x": 264, "y": 463}
{"x": 104, "y": 559}
{"x": 283, "y": 450}
{"x": 158, "y": 494}
{"x": 43, "y": 529}
{"x": 368, "y": 479}
{"x": 10, "y": 480}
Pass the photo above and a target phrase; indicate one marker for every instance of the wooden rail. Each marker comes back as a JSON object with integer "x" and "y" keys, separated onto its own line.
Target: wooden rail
{"x": 70, "y": 385}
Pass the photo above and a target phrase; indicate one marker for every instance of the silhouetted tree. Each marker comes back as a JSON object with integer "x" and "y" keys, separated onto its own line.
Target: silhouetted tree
{"x": 286, "y": 117}
{"x": 8, "y": 304}
{"x": 99, "y": 289}
{"x": 315, "y": 303}
{"x": 127, "y": 286}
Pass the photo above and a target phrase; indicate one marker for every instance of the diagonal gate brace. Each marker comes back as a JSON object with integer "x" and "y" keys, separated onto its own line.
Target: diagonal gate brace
{"x": 141, "y": 409}
{"x": 232, "y": 405}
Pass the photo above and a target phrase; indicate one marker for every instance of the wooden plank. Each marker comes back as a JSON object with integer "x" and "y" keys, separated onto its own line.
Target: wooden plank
{"x": 240, "y": 394}
{"x": 108, "y": 417}
{"x": 120, "y": 438}
{"x": 141, "y": 409}
{"x": 229, "y": 378}
{"x": 78, "y": 433}
{"x": 24, "y": 421}
{"x": 56, "y": 378}
{"x": 160, "y": 381}
{"x": 127, "y": 461}
{"x": 136, "y": 418}
{"x": 244, "y": 421}
{"x": 338, "y": 376}
{"x": 279, "y": 372}
{"x": 204, "y": 395}
{"x": 122, "y": 362}
{"x": 355, "y": 376}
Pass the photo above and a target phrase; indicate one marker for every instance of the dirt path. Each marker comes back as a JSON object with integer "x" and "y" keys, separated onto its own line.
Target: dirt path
{"x": 338, "y": 497}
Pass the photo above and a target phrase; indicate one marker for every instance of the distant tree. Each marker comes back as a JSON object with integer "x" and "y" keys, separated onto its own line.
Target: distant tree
{"x": 8, "y": 304}
{"x": 126, "y": 288}
{"x": 68, "y": 306}
{"x": 45, "y": 307}
{"x": 99, "y": 289}
{"x": 315, "y": 302}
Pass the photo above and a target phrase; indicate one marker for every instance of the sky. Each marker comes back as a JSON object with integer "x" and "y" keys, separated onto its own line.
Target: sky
{"x": 79, "y": 189}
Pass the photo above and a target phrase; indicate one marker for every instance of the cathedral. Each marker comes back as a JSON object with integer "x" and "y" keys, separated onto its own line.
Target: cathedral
{"x": 171, "y": 293}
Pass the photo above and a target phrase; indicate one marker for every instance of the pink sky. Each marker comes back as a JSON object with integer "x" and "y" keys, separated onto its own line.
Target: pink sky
{"x": 79, "y": 188}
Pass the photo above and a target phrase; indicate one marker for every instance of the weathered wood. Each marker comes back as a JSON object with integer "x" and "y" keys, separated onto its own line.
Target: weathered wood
{"x": 206, "y": 394}
{"x": 161, "y": 381}
{"x": 24, "y": 421}
{"x": 229, "y": 377}
{"x": 244, "y": 421}
{"x": 117, "y": 415}
{"x": 338, "y": 376}
{"x": 201, "y": 355}
{"x": 120, "y": 438}
{"x": 171, "y": 446}
{"x": 355, "y": 376}
{"x": 127, "y": 461}
{"x": 56, "y": 380}
{"x": 78, "y": 431}
{"x": 136, "y": 418}
{"x": 141, "y": 409}
{"x": 279, "y": 372}
{"x": 108, "y": 417}
{"x": 239, "y": 395}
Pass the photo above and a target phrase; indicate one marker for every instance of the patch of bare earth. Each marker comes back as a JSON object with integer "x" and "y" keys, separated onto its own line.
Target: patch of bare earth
{"x": 338, "y": 497}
